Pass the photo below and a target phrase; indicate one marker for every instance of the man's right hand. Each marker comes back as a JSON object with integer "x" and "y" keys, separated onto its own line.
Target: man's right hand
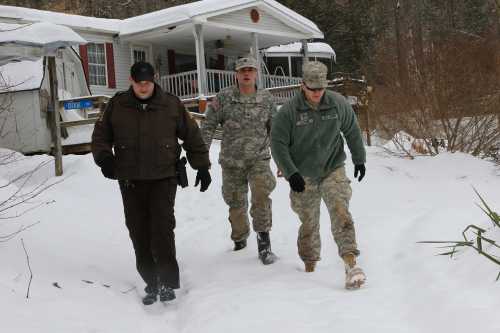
{"x": 108, "y": 167}
{"x": 297, "y": 183}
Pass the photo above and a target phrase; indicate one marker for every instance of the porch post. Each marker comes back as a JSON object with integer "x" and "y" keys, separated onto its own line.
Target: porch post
{"x": 290, "y": 66}
{"x": 255, "y": 51}
{"x": 305, "y": 51}
{"x": 200, "y": 59}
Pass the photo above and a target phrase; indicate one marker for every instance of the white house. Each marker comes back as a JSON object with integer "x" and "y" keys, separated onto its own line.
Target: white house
{"x": 192, "y": 46}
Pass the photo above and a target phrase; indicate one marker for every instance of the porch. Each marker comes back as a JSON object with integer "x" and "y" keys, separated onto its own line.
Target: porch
{"x": 193, "y": 47}
{"x": 185, "y": 85}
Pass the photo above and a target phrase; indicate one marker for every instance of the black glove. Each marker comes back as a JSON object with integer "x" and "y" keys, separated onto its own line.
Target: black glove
{"x": 297, "y": 183}
{"x": 203, "y": 176}
{"x": 361, "y": 169}
{"x": 108, "y": 167}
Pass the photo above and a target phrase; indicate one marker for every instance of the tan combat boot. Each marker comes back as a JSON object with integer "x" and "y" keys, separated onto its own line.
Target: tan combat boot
{"x": 310, "y": 266}
{"x": 354, "y": 275}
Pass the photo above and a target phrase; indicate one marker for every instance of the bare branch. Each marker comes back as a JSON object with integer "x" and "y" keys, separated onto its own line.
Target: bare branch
{"x": 12, "y": 235}
{"x": 29, "y": 267}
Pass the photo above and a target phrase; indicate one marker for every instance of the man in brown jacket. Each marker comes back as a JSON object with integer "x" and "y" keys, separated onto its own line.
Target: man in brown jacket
{"x": 136, "y": 142}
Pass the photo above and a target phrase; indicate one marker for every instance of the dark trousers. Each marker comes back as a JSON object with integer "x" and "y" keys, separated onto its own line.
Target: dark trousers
{"x": 149, "y": 216}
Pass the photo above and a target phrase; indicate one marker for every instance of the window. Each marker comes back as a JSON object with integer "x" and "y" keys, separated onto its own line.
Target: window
{"x": 97, "y": 64}
{"x": 139, "y": 55}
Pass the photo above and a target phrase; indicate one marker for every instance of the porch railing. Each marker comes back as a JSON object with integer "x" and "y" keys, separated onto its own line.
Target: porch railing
{"x": 218, "y": 79}
{"x": 185, "y": 85}
{"x": 274, "y": 81}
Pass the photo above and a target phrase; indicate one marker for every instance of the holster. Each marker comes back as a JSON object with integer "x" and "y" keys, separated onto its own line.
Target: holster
{"x": 180, "y": 171}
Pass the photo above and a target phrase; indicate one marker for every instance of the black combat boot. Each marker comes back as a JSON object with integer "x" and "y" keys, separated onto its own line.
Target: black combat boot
{"x": 264, "y": 247}
{"x": 151, "y": 294}
{"x": 166, "y": 294}
{"x": 238, "y": 245}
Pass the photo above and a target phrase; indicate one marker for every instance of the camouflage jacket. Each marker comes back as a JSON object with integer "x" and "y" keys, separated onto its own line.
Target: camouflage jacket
{"x": 246, "y": 124}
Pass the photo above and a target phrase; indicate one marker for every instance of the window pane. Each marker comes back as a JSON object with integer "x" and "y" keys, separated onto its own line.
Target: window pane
{"x": 97, "y": 64}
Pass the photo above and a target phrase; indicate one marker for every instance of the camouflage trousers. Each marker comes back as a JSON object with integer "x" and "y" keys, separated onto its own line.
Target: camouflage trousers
{"x": 335, "y": 190}
{"x": 235, "y": 183}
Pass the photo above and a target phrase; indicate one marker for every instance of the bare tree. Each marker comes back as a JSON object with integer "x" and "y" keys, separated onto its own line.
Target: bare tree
{"x": 448, "y": 96}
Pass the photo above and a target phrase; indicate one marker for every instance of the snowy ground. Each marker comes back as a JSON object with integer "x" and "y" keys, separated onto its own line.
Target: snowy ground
{"x": 81, "y": 236}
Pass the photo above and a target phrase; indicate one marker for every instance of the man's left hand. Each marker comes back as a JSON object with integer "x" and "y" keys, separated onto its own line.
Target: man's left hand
{"x": 361, "y": 169}
{"x": 203, "y": 176}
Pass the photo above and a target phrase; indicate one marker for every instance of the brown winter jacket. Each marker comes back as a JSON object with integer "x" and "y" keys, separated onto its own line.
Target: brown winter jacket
{"x": 144, "y": 143}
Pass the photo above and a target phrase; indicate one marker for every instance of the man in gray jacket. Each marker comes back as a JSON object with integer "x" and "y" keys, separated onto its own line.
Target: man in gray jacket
{"x": 307, "y": 146}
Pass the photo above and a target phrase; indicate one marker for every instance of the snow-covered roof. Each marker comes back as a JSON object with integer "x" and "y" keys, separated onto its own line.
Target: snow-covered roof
{"x": 192, "y": 12}
{"x": 46, "y": 35}
{"x": 22, "y": 14}
{"x": 315, "y": 49}
{"x": 24, "y": 75}
{"x": 30, "y": 41}
{"x": 200, "y": 10}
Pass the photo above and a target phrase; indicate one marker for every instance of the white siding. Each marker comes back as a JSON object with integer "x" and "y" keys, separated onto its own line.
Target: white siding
{"x": 242, "y": 19}
{"x": 25, "y": 128}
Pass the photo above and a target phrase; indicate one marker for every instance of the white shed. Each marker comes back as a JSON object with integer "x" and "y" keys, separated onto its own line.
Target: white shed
{"x": 25, "y": 95}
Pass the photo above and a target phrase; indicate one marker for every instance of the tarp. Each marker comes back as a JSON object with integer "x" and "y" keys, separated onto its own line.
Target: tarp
{"x": 31, "y": 41}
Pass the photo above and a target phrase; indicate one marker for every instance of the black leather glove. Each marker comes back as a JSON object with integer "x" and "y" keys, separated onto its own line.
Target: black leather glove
{"x": 297, "y": 183}
{"x": 108, "y": 167}
{"x": 203, "y": 176}
{"x": 361, "y": 169}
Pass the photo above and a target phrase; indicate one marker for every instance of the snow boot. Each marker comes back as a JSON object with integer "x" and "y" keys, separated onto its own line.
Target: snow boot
{"x": 238, "y": 245}
{"x": 310, "y": 266}
{"x": 354, "y": 275}
{"x": 264, "y": 247}
{"x": 151, "y": 294}
{"x": 166, "y": 294}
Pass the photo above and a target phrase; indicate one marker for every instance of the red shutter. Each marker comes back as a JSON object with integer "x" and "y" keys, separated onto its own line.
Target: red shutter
{"x": 110, "y": 64}
{"x": 220, "y": 62}
{"x": 85, "y": 61}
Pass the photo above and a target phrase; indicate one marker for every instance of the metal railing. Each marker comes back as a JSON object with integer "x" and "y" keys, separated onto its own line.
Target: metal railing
{"x": 274, "y": 81}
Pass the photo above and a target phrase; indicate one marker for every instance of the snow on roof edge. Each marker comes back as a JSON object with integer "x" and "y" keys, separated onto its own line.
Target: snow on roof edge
{"x": 70, "y": 20}
{"x": 149, "y": 21}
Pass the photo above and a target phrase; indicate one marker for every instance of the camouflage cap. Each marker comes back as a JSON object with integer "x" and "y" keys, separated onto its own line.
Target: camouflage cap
{"x": 314, "y": 74}
{"x": 248, "y": 61}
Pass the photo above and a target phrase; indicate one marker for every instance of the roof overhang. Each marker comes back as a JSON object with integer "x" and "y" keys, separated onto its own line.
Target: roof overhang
{"x": 33, "y": 40}
{"x": 191, "y": 14}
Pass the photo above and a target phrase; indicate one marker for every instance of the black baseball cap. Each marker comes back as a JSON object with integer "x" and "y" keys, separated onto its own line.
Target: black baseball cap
{"x": 142, "y": 71}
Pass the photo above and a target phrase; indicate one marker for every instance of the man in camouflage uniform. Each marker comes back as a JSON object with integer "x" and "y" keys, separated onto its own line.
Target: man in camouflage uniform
{"x": 245, "y": 113}
{"x": 308, "y": 148}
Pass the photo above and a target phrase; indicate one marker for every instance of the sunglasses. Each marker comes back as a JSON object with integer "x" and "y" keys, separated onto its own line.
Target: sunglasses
{"x": 314, "y": 89}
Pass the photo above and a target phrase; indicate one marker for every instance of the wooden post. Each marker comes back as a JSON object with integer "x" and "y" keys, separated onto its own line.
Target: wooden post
{"x": 367, "y": 112}
{"x": 56, "y": 128}
{"x": 305, "y": 51}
